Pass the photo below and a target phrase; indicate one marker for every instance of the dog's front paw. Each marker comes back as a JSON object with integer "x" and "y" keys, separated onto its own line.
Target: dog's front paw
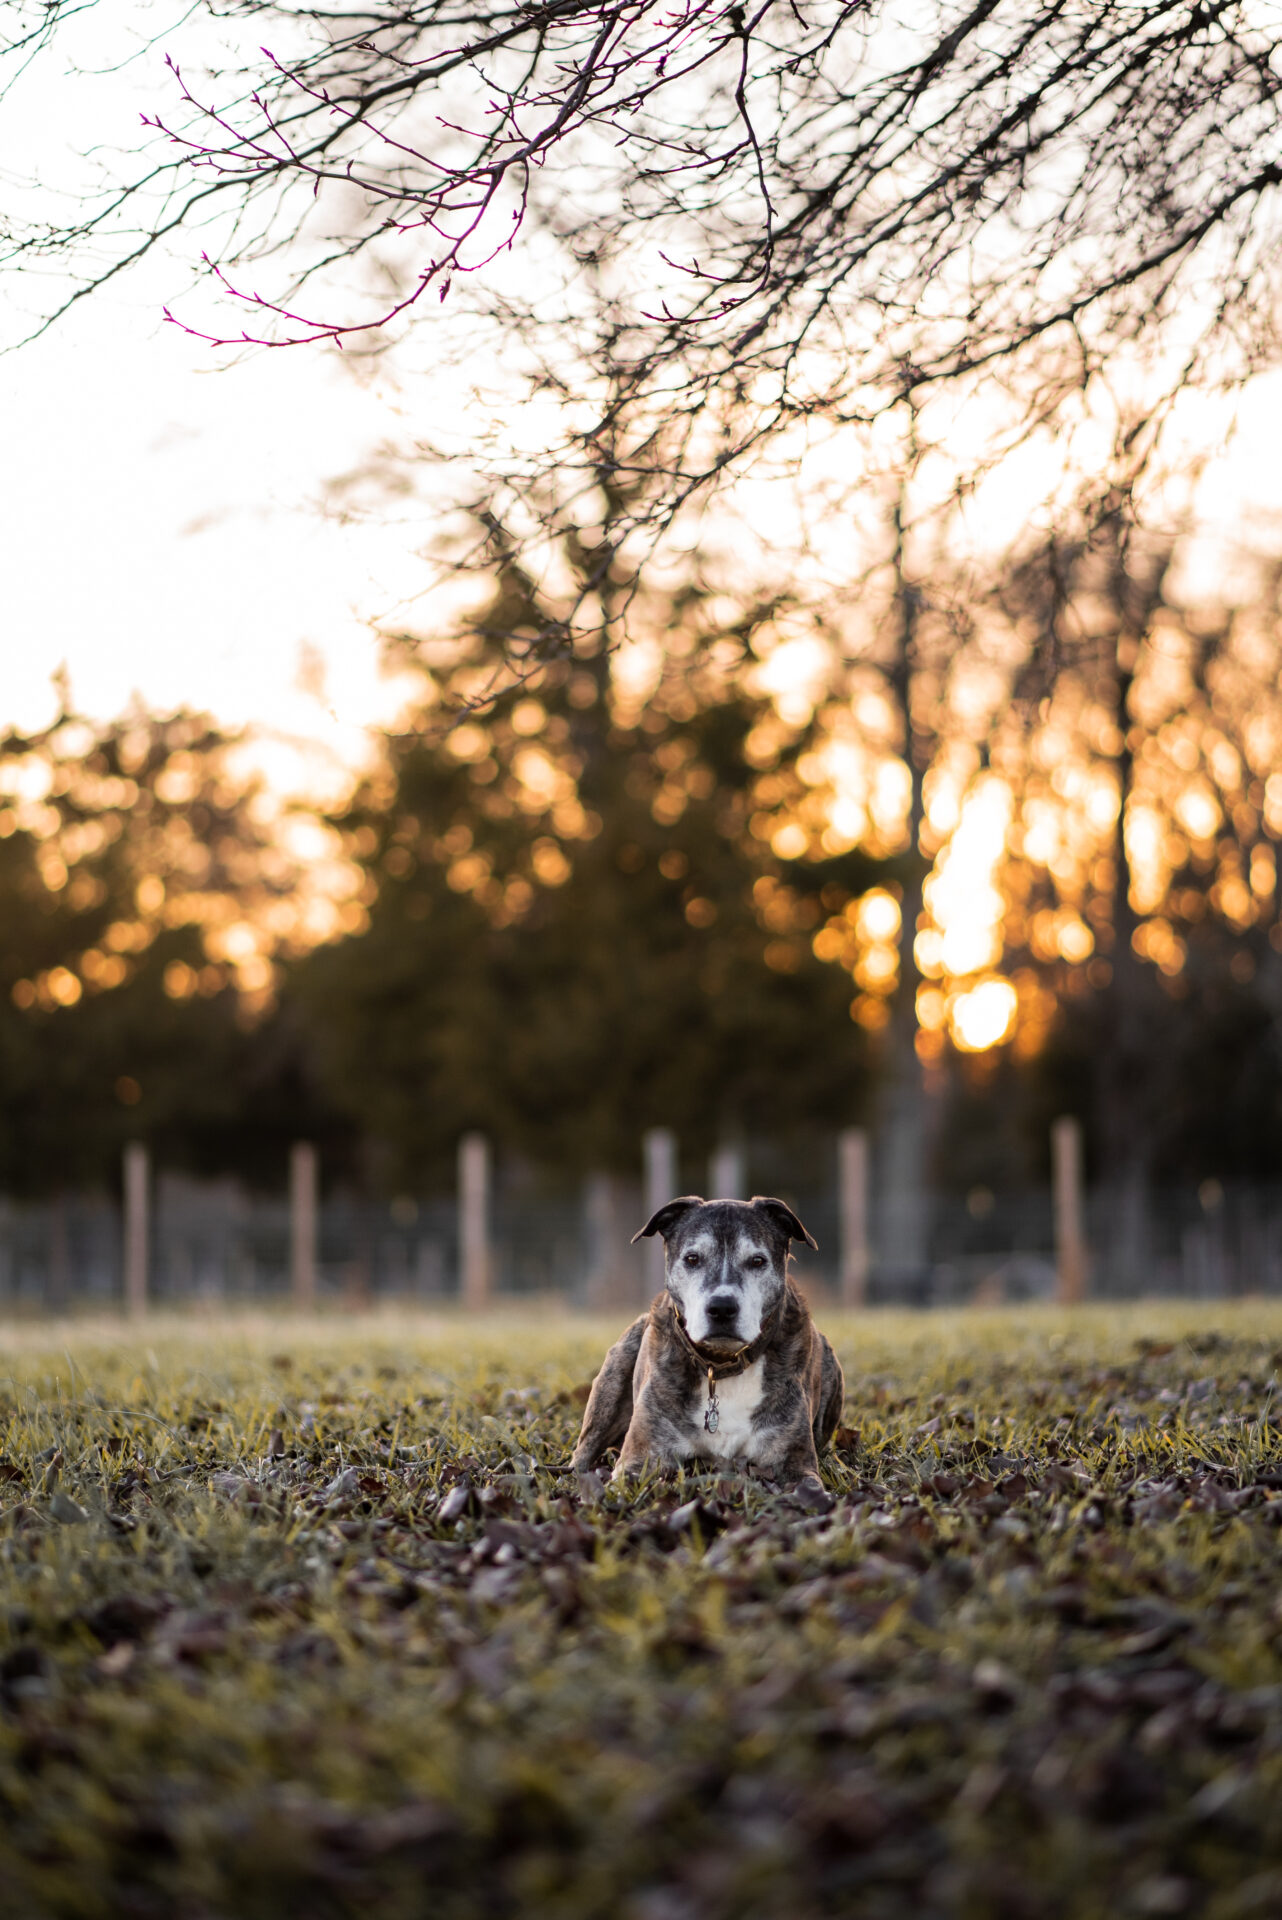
{"x": 811, "y": 1494}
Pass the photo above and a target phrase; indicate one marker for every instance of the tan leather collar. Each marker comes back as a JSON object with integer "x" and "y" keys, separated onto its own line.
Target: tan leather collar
{"x": 717, "y": 1367}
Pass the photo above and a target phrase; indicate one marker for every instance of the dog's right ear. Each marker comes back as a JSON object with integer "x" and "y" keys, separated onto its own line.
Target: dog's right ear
{"x": 666, "y": 1218}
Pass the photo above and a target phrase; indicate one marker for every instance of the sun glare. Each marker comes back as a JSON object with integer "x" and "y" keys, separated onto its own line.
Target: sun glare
{"x": 962, "y": 936}
{"x": 984, "y": 1017}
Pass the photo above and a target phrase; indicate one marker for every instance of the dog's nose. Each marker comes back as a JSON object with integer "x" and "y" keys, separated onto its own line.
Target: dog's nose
{"x": 723, "y": 1310}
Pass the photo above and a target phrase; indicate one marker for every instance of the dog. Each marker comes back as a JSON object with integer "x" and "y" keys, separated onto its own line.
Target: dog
{"x": 727, "y": 1366}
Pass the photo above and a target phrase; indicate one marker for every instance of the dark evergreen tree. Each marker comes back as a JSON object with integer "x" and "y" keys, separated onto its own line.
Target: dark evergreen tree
{"x": 581, "y": 929}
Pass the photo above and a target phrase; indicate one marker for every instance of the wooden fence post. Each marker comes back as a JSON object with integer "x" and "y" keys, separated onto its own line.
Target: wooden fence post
{"x": 58, "y": 1280}
{"x": 603, "y": 1238}
{"x": 137, "y": 1207}
{"x": 1070, "y": 1229}
{"x": 474, "y": 1220}
{"x": 726, "y": 1179}
{"x": 852, "y": 1185}
{"x": 303, "y": 1185}
{"x": 660, "y": 1145}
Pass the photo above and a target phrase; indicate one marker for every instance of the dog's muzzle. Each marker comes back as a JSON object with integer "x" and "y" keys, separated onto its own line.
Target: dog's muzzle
{"x": 722, "y": 1312}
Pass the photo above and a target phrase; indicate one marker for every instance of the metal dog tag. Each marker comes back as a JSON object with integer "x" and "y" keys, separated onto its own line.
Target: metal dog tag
{"x": 712, "y": 1419}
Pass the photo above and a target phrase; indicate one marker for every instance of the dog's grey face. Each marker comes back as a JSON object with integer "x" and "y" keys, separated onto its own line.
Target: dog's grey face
{"x": 727, "y": 1265}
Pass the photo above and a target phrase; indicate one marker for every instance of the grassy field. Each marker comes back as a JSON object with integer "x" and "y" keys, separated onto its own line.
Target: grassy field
{"x": 310, "y": 1620}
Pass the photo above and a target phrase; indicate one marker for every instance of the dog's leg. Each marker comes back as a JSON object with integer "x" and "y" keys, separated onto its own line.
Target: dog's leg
{"x": 799, "y": 1460}
{"x": 608, "y": 1414}
{"x": 652, "y": 1440}
{"x": 832, "y": 1394}
{"x": 792, "y": 1455}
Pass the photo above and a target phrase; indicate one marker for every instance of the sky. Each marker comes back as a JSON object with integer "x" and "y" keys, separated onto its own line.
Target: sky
{"x": 164, "y": 526}
{"x": 165, "y": 523}
{"x": 166, "y": 534}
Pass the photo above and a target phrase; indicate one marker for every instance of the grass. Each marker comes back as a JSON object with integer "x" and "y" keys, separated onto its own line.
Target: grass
{"x": 310, "y": 1619}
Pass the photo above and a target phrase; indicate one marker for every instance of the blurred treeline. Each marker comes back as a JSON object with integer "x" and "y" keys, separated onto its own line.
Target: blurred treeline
{"x": 567, "y": 906}
{"x": 615, "y": 951}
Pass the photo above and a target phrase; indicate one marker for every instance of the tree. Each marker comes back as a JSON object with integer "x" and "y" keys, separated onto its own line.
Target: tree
{"x": 740, "y": 225}
{"x": 144, "y": 902}
{"x": 1139, "y": 750}
{"x": 750, "y": 237}
{"x": 581, "y": 927}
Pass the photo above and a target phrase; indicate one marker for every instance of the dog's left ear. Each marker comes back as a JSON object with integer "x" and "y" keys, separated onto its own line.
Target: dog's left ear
{"x": 784, "y": 1218}
{"x": 666, "y": 1218}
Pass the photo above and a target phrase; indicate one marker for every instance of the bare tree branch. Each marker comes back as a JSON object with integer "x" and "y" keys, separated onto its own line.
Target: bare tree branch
{"x": 733, "y": 222}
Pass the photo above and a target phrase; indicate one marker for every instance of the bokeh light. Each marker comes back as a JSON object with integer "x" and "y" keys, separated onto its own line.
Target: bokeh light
{"x": 984, "y": 1016}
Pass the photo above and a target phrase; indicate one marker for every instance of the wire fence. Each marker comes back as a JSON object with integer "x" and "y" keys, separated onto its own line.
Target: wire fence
{"x": 217, "y": 1245}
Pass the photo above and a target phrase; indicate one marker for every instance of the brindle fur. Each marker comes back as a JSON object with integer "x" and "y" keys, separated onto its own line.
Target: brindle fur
{"x": 650, "y": 1396}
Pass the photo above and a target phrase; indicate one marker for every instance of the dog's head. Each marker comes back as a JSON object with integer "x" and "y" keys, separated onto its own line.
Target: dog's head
{"x": 727, "y": 1262}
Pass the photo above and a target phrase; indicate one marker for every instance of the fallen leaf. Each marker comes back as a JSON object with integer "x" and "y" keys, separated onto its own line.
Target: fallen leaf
{"x": 69, "y": 1512}
{"x": 811, "y": 1495}
{"x": 344, "y": 1486}
{"x": 456, "y": 1503}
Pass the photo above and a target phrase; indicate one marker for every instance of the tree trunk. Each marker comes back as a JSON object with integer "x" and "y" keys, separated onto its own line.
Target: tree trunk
{"x": 1125, "y": 1060}
{"x": 902, "y": 1237}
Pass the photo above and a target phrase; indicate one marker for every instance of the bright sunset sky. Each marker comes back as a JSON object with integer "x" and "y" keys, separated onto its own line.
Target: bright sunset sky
{"x": 165, "y": 530}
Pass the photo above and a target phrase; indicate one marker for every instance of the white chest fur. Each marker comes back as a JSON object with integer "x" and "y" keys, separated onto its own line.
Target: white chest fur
{"x": 737, "y": 1400}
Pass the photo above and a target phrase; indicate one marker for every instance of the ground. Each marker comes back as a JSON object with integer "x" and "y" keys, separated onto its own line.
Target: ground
{"x": 311, "y": 1620}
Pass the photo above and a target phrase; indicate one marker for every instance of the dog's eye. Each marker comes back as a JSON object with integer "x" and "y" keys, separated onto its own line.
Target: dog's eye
{"x": 693, "y": 1259}
{"x": 755, "y": 1260}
